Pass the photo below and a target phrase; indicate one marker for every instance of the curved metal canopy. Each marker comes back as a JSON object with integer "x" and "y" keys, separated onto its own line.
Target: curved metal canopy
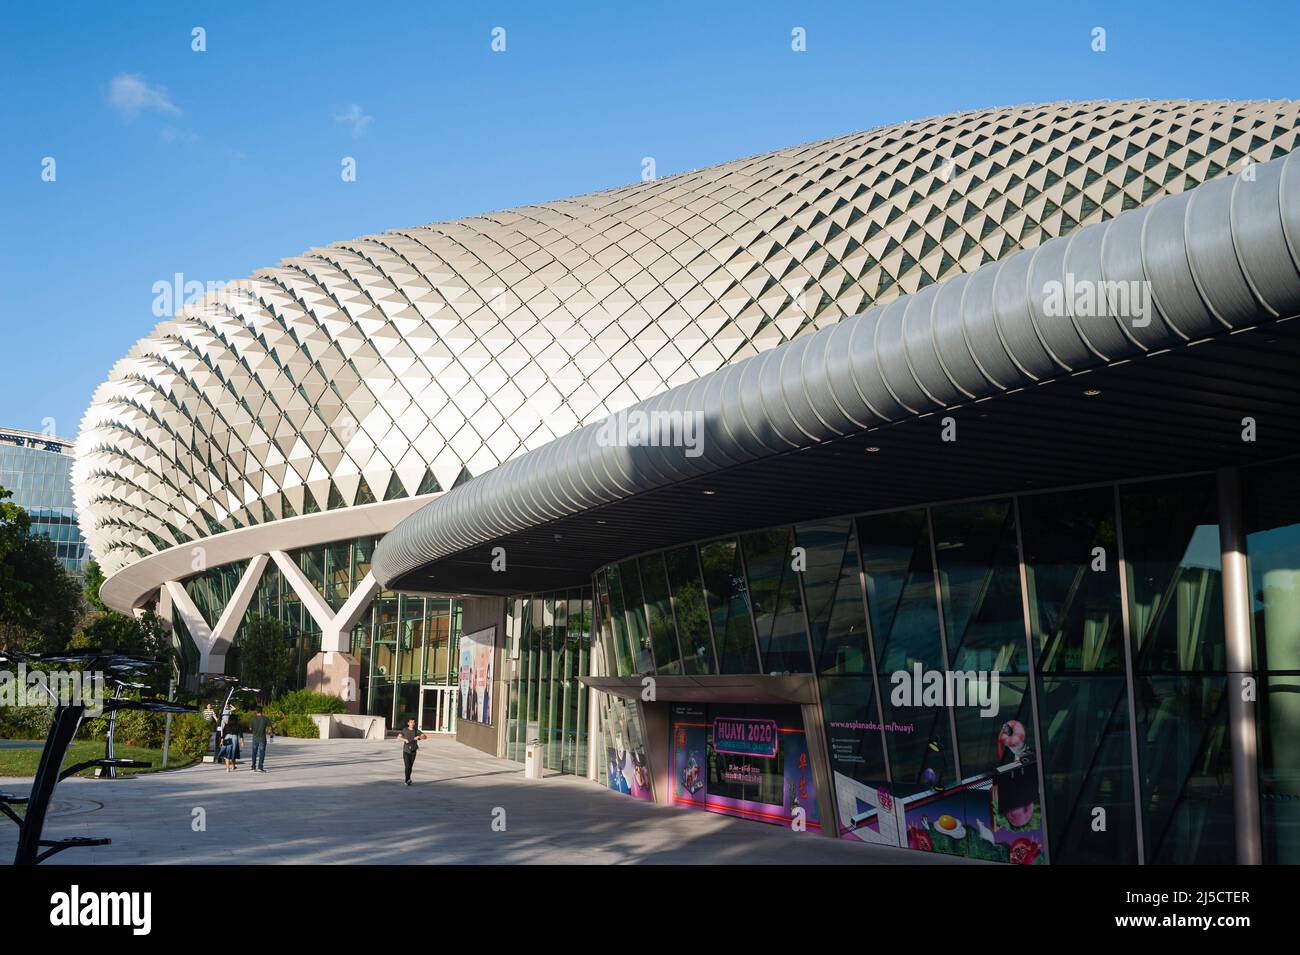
{"x": 1222, "y": 257}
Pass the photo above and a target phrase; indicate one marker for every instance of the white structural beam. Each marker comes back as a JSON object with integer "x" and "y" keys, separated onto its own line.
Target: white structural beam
{"x": 214, "y": 642}
{"x": 335, "y": 637}
{"x": 165, "y": 606}
{"x": 311, "y": 597}
{"x": 233, "y": 615}
{"x": 197, "y": 627}
{"x": 132, "y": 586}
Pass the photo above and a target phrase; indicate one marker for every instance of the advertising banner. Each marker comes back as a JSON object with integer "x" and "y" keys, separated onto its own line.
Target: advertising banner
{"x": 477, "y": 655}
{"x": 625, "y": 758}
{"x": 993, "y": 813}
{"x": 748, "y": 761}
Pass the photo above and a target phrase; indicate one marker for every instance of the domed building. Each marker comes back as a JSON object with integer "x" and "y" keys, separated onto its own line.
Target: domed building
{"x": 770, "y": 434}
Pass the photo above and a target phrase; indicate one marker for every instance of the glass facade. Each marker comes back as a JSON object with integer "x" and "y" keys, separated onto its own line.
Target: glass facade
{"x": 1096, "y": 617}
{"x": 406, "y": 645}
{"x": 1273, "y": 549}
{"x": 549, "y": 642}
{"x": 37, "y": 471}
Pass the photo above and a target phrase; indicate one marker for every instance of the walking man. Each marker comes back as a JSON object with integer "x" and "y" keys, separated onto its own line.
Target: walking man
{"x": 410, "y": 738}
{"x": 259, "y": 726}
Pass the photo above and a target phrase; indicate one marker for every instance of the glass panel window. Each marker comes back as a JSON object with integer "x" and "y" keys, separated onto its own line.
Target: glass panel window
{"x": 1072, "y": 565}
{"x": 1172, "y": 560}
{"x": 690, "y": 611}
{"x": 338, "y": 564}
{"x": 659, "y": 613}
{"x": 618, "y": 621}
{"x": 899, "y": 577}
{"x": 1273, "y": 546}
{"x": 984, "y": 620}
{"x": 1087, "y": 766}
{"x": 638, "y": 633}
{"x": 1171, "y": 552}
{"x": 833, "y": 588}
{"x": 610, "y": 645}
{"x": 733, "y": 628}
{"x": 776, "y": 600}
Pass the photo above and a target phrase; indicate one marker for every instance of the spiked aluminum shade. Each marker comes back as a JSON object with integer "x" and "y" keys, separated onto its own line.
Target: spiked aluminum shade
{"x": 400, "y": 364}
{"x": 1222, "y": 257}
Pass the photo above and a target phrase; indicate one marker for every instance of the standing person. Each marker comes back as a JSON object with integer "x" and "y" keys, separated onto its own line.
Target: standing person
{"x": 410, "y": 745}
{"x": 210, "y": 718}
{"x": 259, "y": 726}
{"x": 231, "y": 732}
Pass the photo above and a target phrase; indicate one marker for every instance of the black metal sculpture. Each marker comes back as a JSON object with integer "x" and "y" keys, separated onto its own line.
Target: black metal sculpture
{"x": 117, "y": 668}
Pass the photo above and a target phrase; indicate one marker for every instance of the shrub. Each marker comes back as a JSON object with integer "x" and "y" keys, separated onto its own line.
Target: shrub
{"x": 136, "y": 727}
{"x": 140, "y": 728}
{"x": 306, "y": 701}
{"x": 26, "y": 722}
{"x": 190, "y": 735}
{"x": 299, "y": 725}
{"x": 95, "y": 728}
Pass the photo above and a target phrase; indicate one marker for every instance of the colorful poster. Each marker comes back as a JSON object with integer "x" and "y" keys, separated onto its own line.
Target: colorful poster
{"x": 994, "y": 815}
{"x": 625, "y": 750}
{"x": 477, "y": 655}
{"x": 747, "y": 761}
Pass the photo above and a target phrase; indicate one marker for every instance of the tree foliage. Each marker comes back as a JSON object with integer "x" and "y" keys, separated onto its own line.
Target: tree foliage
{"x": 39, "y": 601}
{"x": 94, "y": 580}
{"x": 266, "y": 655}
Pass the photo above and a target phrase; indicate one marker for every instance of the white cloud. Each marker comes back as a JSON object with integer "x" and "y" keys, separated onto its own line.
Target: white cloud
{"x": 355, "y": 118}
{"x": 130, "y": 94}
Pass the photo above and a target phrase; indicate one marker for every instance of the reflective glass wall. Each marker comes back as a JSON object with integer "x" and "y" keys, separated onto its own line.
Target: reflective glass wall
{"x": 406, "y": 645}
{"x": 548, "y": 647}
{"x": 403, "y": 643}
{"x": 38, "y": 475}
{"x": 1098, "y": 610}
{"x": 1273, "y": 548}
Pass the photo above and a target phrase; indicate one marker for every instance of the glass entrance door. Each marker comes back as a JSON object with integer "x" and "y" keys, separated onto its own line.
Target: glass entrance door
{"x": 438, "y": 709}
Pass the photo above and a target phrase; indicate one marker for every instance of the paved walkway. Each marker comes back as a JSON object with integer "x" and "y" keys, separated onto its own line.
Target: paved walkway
{"x": 342, "y": 801}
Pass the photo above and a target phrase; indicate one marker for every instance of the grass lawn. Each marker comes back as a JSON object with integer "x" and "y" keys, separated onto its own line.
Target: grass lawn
{"x": 22, "y": 761}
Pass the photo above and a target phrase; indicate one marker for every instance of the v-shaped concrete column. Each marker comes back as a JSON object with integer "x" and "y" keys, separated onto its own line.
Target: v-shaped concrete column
{"x": 214, "y": 642}
{"x": 335, "y": 627}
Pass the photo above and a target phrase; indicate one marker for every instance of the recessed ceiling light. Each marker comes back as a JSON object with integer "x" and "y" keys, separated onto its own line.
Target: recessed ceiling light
{"x": 1092, "y": 392}
{"x": 872, "y": 449}
{"x": 710, "y": 492}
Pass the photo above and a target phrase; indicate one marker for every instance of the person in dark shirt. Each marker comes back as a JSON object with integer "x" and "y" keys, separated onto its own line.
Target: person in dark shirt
{"x": 231, "y": 733}
{"x": 410, "y": 738}
{"x": 259, "y": 726}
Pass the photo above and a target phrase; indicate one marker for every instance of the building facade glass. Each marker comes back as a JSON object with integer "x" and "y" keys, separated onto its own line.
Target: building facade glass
{"x": 37, "y": 471}
{"x": 1096, "y": 615}
{"x": 406, "y": 645}
{"x": 547, "y": 649}
{"x": 1273, "y": 547}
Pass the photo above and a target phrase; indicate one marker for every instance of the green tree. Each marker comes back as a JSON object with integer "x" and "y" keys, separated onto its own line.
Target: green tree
{"x": 142, "y": 636}
{"x": 94, "y": 580}
{"x": 39, "y": 600}
{"x": 266, "y": 655}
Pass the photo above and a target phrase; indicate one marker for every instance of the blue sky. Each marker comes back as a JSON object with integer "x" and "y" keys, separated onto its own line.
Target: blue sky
{"x": 213, "y": 164}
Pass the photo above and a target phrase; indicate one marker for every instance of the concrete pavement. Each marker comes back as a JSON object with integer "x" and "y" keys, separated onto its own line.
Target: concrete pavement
{"x": 343, "y": 801}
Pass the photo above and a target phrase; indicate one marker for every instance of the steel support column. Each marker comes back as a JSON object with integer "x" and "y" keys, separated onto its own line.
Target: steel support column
{"x": 1237, "y": 636}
